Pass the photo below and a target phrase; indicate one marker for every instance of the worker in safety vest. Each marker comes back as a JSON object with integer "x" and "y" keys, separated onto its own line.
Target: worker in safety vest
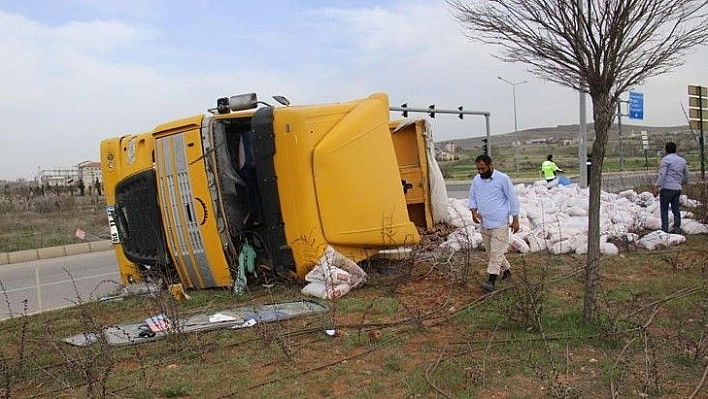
{"x": 549, "y": 169}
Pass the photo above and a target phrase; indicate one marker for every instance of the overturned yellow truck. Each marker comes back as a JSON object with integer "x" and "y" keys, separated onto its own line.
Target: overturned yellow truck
{"x": 189, "y": 197}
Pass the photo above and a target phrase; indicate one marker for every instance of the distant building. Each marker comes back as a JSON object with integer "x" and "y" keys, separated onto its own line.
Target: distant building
{"x": 450, "y": 147}
{"x": 57, "y": 177}
{"x": 88, "y": 171}
{"x": 442, "y": 156}
{"x": 537, "y": 141}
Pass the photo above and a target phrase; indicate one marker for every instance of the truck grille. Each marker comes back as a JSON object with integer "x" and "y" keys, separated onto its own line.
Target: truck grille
{"x": 138, "y": 221}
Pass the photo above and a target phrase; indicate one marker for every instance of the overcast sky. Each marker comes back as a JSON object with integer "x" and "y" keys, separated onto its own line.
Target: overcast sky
{"x": 74, "y": 72}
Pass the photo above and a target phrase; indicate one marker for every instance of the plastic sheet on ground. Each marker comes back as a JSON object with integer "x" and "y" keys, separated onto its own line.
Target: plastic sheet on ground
{"x": 239, "y": 317}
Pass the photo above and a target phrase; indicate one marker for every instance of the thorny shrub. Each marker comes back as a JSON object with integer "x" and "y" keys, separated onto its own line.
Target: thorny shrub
{"x": 698, "y": 191}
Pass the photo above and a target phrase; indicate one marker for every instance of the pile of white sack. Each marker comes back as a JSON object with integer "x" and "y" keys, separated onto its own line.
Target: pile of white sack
{"x": 333, "y": 276}
{"x": 556, "y": 220}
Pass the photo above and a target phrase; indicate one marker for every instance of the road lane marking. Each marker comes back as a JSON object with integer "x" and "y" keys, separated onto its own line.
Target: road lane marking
{"x": 62, "y": 282}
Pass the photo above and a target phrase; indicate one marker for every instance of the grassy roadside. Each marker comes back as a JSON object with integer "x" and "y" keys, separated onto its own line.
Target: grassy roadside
{"x": 417, "y": 328}
{"x": 529, "y": 159}
{"x": 29, "y": 222}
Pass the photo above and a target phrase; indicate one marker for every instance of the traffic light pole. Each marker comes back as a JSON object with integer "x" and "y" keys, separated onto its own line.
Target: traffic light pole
{"x": 460, "y": 112}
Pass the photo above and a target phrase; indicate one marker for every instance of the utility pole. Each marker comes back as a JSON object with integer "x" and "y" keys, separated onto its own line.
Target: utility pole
{"x": 619, "y": 133}
{"x": 516, "y": 130}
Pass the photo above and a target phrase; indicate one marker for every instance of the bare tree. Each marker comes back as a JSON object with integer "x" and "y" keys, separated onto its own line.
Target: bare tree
{"x": 602, "y": 47}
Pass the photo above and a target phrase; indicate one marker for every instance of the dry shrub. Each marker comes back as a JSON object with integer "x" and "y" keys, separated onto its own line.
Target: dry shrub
{"x": 698, "y": 191}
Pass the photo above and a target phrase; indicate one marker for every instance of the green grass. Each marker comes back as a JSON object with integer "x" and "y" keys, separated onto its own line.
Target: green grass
{"x": 50, "y": 221}
{"x": 531, "y": 156}
{"x": 175, "y": 390}
{"x": 417, "y": 333}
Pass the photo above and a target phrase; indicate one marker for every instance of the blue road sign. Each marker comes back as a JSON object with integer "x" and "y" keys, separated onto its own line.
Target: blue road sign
{"x": 636, "y": 105}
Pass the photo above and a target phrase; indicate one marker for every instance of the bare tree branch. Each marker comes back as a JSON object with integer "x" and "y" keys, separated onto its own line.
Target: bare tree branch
{"x": 616, "y": 43}
{"x": 603, "y": 47}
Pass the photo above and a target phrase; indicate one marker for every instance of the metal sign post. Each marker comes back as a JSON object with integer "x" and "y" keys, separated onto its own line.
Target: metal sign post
{"x": 636, "y": 111}
{"x": 645, "y": 147}
{"x": 697, "y": 116}
{"x": 619, "y": 132}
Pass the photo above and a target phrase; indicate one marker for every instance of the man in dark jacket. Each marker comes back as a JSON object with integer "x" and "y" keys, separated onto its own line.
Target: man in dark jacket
{"x": 673, "y": 173}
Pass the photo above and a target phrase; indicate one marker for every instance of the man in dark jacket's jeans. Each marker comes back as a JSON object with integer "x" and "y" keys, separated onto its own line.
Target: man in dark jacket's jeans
{"x": 673, "y": 173}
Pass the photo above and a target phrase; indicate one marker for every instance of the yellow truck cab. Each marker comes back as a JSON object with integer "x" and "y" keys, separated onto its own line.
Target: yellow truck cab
{"x": 188, "y": 198}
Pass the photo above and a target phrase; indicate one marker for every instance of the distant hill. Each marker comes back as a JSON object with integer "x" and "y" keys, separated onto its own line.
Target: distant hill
{"x": 562, "y": 132}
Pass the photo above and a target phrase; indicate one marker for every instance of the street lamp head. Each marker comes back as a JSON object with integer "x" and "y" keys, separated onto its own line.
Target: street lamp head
{"x": 513, "y": 84}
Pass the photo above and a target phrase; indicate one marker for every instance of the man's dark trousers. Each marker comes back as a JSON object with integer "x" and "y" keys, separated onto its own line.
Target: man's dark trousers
{"x": 669, "y": 197}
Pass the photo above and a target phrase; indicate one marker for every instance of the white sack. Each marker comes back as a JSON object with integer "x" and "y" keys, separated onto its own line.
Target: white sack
{"x": 436, "y": 180}
{"x": 623, "y": 217}
{"x": 576, "y": 211}
{"x": 537, "y": 242}
{"x": 533, "y": 212}
{"x": 465, "y": 237}
{"x": 459, "y": 214}
{"x": 659, "y": 239}
{"x": 561, "y": 247}
{"x": 627, "y": 194}
{"x": 649, "y": 221}
{"x": 334, "y": 268}
{"x": 608, "y": 248}
{"x": 582, "y": 249}
{"x": 690, "y": 226}
{"x": 518, "y": 244}
{"x": 580, "y": 202}
{"x": 325, "y": 291}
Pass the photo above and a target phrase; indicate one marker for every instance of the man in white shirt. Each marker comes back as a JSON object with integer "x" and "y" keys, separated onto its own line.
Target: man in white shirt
{"x": 492, "y": 200}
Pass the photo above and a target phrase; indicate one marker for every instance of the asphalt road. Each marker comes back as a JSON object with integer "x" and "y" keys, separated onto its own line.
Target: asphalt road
{"x": 458, "y": 190}
{"x": 56, "y": 283}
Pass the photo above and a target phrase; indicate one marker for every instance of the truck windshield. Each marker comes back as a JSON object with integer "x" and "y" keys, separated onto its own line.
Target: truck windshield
{"x": 237, "y": 175}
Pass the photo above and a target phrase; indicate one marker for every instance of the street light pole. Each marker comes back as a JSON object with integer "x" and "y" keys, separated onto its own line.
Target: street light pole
{"x": 516, "y": 132}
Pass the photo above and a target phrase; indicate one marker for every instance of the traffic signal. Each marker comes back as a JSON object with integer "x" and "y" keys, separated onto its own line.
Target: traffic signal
{"x": 484, "y": 147}
{"x": 405, "y": 112}
{"x": 460, "y": 115}
{"x": 432, "y": 110}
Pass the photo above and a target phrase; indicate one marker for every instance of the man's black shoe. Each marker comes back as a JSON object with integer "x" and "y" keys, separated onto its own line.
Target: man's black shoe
{"x": 506, "y": 276}
{"x": 487, "y": 286}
